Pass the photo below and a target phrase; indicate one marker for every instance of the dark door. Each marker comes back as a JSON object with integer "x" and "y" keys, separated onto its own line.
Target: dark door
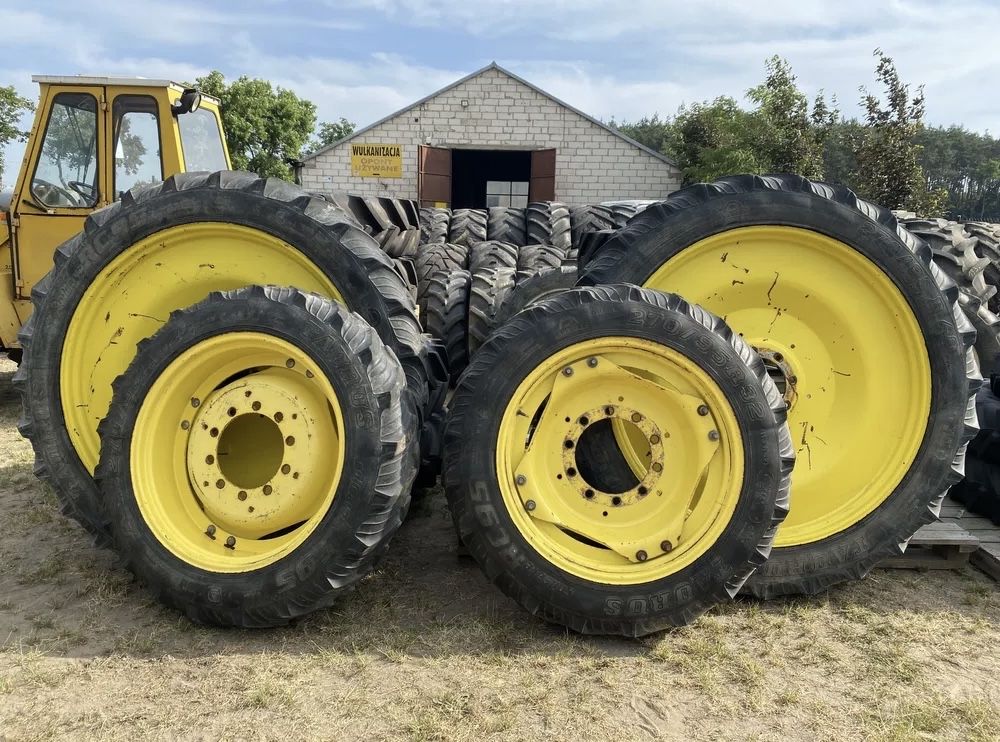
{"x": 433, "y": 176}
{"x": 542, "y": 186}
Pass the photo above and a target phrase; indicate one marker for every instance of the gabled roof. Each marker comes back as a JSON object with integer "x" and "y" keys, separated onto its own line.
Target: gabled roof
{"x": 477, "y": 73}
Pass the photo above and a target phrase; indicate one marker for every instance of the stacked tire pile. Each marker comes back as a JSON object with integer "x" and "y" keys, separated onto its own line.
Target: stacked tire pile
{"x": 226, "y": 380}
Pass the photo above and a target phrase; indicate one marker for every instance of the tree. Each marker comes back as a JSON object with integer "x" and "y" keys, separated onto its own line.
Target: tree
{"x": 265, "y": 126}
{"x": 12, "y": 108}
{"x": 888, "y": 157}
{"x": 330, "y": 132}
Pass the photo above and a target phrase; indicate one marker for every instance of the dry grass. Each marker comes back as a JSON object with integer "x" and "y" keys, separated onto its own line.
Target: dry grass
{"x": 427, "y": 650}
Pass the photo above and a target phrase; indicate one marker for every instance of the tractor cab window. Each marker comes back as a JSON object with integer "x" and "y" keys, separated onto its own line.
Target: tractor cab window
{"x": 66, "y": 174}
{"x": 136, "y": 142}
{"x": 202, "y": 141}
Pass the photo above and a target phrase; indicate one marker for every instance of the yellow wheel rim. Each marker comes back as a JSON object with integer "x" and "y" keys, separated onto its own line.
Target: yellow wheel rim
{"x": 237, "y": 452}
{"x": 840, "y": 333}
{"x": 134, "y": 295}
{"x": 692, "y": 448}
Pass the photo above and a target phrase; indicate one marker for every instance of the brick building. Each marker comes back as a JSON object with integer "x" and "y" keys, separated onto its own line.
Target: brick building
{"x": 491, "y": 139}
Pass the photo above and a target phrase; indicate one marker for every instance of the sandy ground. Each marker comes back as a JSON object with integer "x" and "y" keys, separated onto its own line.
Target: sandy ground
{"x": 426, "y": 649}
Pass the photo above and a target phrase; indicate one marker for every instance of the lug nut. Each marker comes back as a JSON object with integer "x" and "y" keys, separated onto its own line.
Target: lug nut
{"x": 268, "y": 489}
{"x": 657, "y": 467}
{"x": 195, "y": 402}
{"x": 568, "y": 371}
{"x": 666, "y": 546}
{"x": 242, "y": 495}
{"x": 210, "y": 531}
{"x": 220, "y": 483}
{"x": 185, "y": 425}
{"x": 703, "y": 410}
{"x": 641, "y": 555}
{"x": 713, "y": 435}
{"x": 529, "y": 505}
{"x": 231, "y": 542}
{"x": 592, "y": 362}
{"x": 290, "y": 363}
{"x": 636, "y": 417}
{"x": 520, "y": 479}
{"x": 654, "y": 439}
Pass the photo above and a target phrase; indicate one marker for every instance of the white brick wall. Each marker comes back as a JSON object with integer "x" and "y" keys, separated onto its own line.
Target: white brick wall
{"x": 592, "y": 164}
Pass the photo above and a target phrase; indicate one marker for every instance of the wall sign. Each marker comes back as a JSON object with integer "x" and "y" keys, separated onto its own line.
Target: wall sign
{"x": 377, "y": 160}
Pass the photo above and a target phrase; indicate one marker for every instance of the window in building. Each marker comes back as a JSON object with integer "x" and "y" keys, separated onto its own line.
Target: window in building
{"x": 506, "y": 193}
{"x": 137, "y": 142}
{"x": 202, "y": 141}
{"x": 66, "y": 173}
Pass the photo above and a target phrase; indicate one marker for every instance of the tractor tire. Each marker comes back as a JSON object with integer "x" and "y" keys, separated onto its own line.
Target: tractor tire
{"x": 506, "y": 224}
{"x": 468, "y": 226}
{"x": 448, "y": 316}
{"x": 434, "y": 224}
{"x": 980, "y": 490}
{"x": 437, "y": 258}
{"x": 622, "y": 211}
{"x": 628, "y": 572}
{"x": 398, "y": 243}
{"x": 875, "y": 461}
{"x": 590, "y": 218}
{"x": 591, "y": 242}
{"x": 334, "y": 435}
{"x": 537, "y": 258}
{"x": 543, "y": 284}
{"x": 492, "y": 255}
{"x": 547, "y": 223}
{"x": 432, "y": 431}
{"x": 166, "y": 247}
{"x": 488, "y": 292}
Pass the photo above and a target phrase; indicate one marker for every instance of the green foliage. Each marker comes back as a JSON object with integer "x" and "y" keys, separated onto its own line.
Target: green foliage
{"x": 12, "y": 107}
{"x": 711, "y": 139}
{"x": 888, "y": 168}
{"x": 966, "y": 165}
{"x": 332, "y": 131}
{"x": 265, "y": 126}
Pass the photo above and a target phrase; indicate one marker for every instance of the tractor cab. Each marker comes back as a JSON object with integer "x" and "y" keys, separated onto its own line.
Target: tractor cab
{"x": 92, "y": 140}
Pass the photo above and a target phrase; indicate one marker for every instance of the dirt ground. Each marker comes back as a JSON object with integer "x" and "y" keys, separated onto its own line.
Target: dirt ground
{"x": 426, "y": 649}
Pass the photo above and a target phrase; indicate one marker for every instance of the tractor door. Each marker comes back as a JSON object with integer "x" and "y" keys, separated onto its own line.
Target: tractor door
{"x": 64, "y": 179}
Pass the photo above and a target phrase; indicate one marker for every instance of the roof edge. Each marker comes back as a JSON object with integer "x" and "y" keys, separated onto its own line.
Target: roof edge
{"x": 494, "y": 66}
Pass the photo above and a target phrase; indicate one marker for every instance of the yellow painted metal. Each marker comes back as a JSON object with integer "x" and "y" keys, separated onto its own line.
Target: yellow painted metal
{"x": 135, "y": 294}
{"x": 40, "y": 228}
{"x": 855, "y": 351}
{"x": 233, "y": 475}
{"x": 670, "y": 516}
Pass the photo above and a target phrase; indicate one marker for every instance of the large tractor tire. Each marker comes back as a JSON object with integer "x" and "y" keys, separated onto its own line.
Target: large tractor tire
{"x": 506, "y": 224}
{"x": 468, "y": 226}
{"x": 434, "y": 224}
{"x": 493, "y": 255}
{"x": 447, "y": 316}
{"x": 622, "y": 211}
{"x": 537, "y": 258}
{"x": 256, "y": 457}
{"x": 488, "y": 292}
{"x": 864, "y": 335}
{"x": 590, "y": 218}
{"x": 437, "y": 258}
{"x": 962, "y": 256}
{"x": 527, "y": 483}
{"x": 543, "y": 284}
{"x": 980, "y": 490}
{"x": 167, "y": 247}
{"x": 548, "y": 223}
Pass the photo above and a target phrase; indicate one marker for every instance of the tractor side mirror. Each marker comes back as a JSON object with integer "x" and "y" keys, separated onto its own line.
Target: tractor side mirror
{"x": 189, "y": 102}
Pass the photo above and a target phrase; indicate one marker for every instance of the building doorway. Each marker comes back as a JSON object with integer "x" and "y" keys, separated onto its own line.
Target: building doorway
{"x": 480, "y": 178}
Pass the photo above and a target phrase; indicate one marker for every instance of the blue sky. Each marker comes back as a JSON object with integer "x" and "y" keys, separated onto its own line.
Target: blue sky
{"x": 364, "y": 59}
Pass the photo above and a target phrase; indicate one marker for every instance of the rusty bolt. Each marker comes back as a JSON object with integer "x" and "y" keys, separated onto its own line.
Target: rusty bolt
{"x": 210, "y": 459}
{"x": 657, "y": 466}
{"x": 636, "y": 417}
{"x": 185, "y": 425}
{"x": 278, "y": 417}
{"x": 255, "y": 406}
{"x": 210, "y": 531}
{"x": 641, "y": 555}
{"x": 520, "y": 479}
{"x": 268, "y": 489}
{"x": 285, "y": 468}
{"x": 231, "y": 542}
{"x": 592, "y": 362}
{"x": 242, "y": 495}
{"x": 713, "y": 435}
{"x": 703, "y": 410}
{"x": 195, "y": 402}
{"x": 568, "y": 371}
{"x": 654, "y": 438}
{"x": 220, "y": 483}
{"x": 793, "y": 379}
{"x": 529, "y": 505}
{"x": 290, "y": 363}
{"x": 666, "y": 546}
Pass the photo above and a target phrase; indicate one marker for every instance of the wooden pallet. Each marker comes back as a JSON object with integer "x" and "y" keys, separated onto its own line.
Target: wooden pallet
{"x": 940, "y": 545}
{"x": 987, "y": 556}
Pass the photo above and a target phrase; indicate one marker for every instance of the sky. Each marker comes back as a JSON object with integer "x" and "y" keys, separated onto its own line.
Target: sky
{"x": 364, "y": 59}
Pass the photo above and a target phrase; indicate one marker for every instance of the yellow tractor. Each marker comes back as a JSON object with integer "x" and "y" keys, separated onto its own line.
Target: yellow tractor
{"x": 93, "y": 139}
